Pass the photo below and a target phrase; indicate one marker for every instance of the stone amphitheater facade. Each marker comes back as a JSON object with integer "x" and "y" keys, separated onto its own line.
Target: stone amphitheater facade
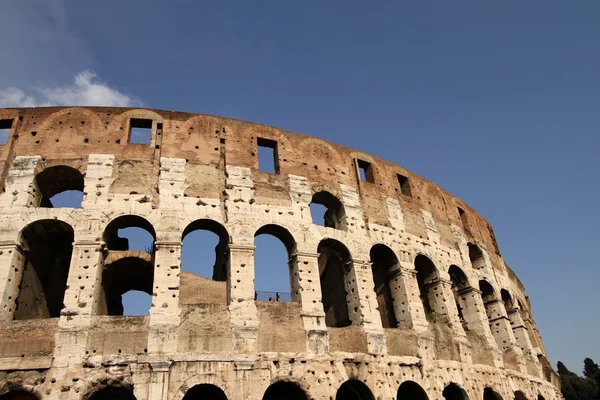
{"x": 400, "y": 293}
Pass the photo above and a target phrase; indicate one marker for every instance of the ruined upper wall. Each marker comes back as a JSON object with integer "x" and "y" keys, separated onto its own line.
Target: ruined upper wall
{"x": 57, "y": 133}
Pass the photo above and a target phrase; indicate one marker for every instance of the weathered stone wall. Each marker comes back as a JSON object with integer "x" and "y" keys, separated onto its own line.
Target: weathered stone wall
{"x": 473, "y": 328}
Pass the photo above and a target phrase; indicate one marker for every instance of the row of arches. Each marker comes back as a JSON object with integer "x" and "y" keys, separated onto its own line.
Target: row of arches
{"x": 129, "y": 267}
{"x": 349, "y": 390}
{"x": 62, "y": 186}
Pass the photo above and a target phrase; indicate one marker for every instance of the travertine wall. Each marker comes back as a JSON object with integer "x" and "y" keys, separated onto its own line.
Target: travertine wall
{"x": 201, "y": 172}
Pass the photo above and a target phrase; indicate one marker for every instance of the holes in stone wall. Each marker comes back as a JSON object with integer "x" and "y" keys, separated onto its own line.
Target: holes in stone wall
{"x": 140, "y": 131}
{"x": 334, "y": 264}
{"x": 60, "y": 186}
{"x": 327, "y": 210}
{"x": 273, "y": 273}
{"x": 5, "y": 127}
{"x": 48, "y": 248}
{"x": 365, "y": 171}
{"x": 268, "y": 158}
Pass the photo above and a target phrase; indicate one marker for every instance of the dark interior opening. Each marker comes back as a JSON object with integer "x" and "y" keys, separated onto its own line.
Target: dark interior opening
{"x": 410, "y": 390}
{"x": 384, "y": 265}
{"x": 113, "y": 393}
{"x": 403, "y": 185}
{"x": 48, "y": 247}
{"x": 205, "y": 391}
{"x": 334, "y": 264}
{"x": 426, "y": 273}
{"x": 454, "y": 392}
{"x": 354, "y": 390}
{"x": 284, "y": 390}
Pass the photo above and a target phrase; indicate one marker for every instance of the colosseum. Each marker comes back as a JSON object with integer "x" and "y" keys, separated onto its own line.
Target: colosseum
{"x": 399, "y": 292}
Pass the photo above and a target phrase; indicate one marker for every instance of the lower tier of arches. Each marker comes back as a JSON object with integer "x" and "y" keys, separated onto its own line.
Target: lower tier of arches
{"x": 270, "y": 376}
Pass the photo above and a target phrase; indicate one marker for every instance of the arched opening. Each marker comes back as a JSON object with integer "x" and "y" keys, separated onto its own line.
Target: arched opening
{"x": 205, "y": 391}
{"x": 48, "y": 245}
{"x": 384, "y": 265}
{"x": 410, "y": 390}
{"x": 130, "y": 232}
{"x": 113, "y": 393}
{"x": 487, "y": 291}
{"x": 274, "y": 278}
{"x": 459, "y": 283}
{"x": 354, "y": 390}
{"x": 204, "y": 263}
{"x": 18, "y": 395}
{"x": 128, "y": 273}
{"x": 60, "y": 186}
{"x": 489, "y": 394}
{"x": 540, "y": 397}
{"x": 519, "y": 395}
{"x": 334, "y": 265}
{"x": 127, "y": 285}
{"x": 284, "y": 390}
{"x": 507, "y": 299}
{"x": 476, "y": 256}
{"x": 327, "y": 210}
{"x": 454, "y": 392}
{"x": 426, "y": 274}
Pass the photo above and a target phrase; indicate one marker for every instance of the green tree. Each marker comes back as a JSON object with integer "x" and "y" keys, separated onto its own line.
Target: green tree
{"x": 575, "y": 387}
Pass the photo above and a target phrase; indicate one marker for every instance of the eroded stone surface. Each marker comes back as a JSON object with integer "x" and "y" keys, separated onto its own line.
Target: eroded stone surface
{"x": 363, "y": 307}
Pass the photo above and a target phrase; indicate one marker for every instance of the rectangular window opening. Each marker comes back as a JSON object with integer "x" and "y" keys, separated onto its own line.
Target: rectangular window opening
{"x": 403, "y": 185}
{"x": 5, "y": 126}
{"x": 140, "y": 131}
{"x": 268, "y": 160}
{"x": 463, "y": 219}
{"x": 365, "y": 171}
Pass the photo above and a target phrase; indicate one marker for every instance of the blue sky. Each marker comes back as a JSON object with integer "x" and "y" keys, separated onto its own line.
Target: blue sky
{"x": 497, "y": 102}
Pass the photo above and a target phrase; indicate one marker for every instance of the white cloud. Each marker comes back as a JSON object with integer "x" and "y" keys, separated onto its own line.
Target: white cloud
{"x": 86, "y": 90}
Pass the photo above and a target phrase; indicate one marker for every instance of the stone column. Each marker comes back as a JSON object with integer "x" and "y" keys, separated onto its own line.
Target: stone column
{"x": 12, "y": 263}
{"x": 407, "y": 303}
{"x": 306, "y": 288}
{"x": 500, "y": 325}
{"x": 474, "y": 314}
{"x": 21, "y": 189}
{"x": 83, "y": 298}
{"x": 360, "y": 279}
{"x": 159, "y": 380}
{"x": 240, "y": 291}
{"x": 441, "y": 299}
{"x": 165, "y": 312}
{"x": 520, "y": 331}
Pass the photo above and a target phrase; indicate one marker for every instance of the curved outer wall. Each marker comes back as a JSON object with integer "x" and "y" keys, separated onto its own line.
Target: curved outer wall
{"x": 200, "y": 167}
